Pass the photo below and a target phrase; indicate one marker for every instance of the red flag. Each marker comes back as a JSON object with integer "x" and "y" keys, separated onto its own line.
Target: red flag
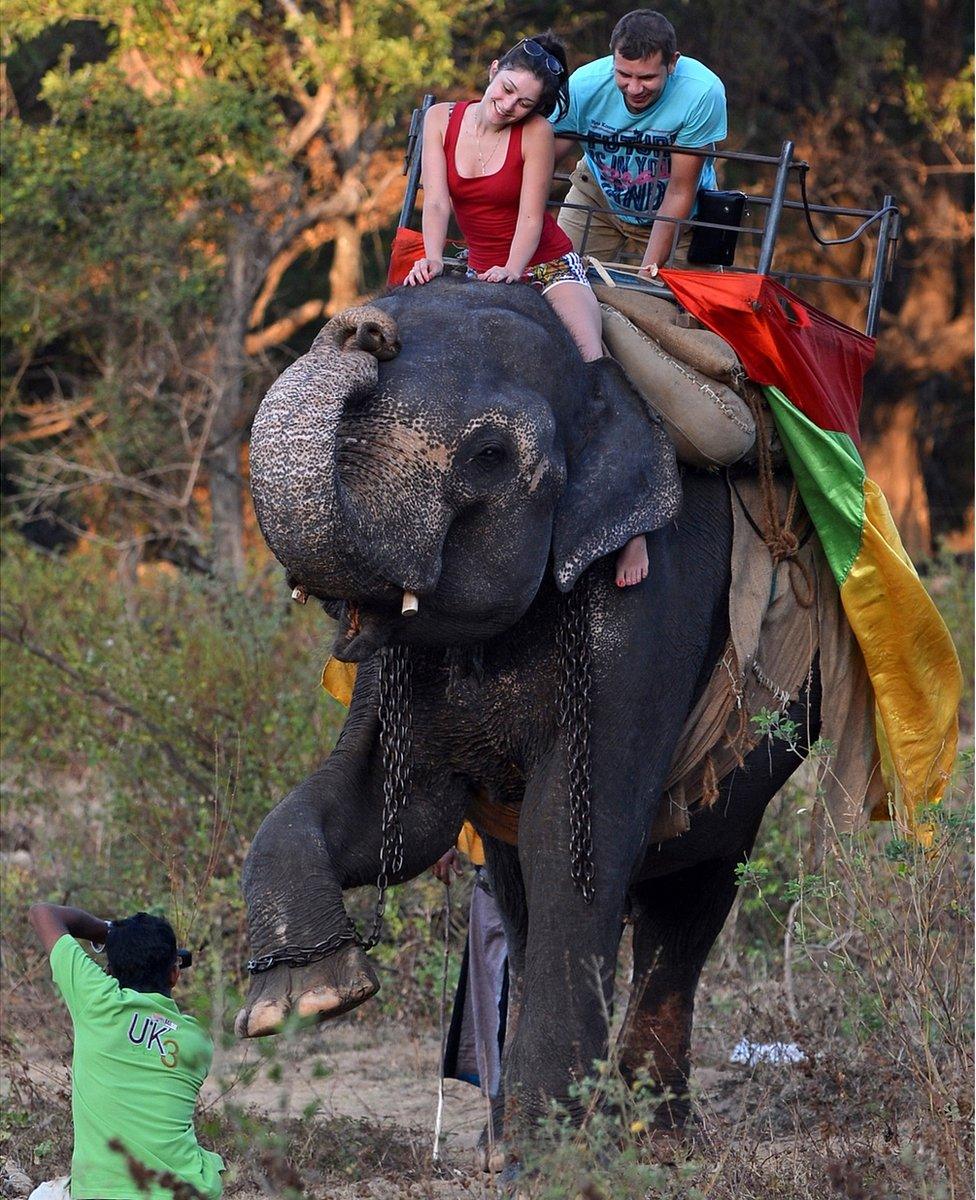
{"x": 783, "y": 342}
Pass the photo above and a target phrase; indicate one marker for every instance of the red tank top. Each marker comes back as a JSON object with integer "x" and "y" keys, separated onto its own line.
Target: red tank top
{"x": 486, "y": 206}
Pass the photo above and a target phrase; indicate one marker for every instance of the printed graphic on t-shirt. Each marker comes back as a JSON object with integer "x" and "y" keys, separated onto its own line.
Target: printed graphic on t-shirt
{"x": 636, "y": 178}
{"x": 148, "y": 1032}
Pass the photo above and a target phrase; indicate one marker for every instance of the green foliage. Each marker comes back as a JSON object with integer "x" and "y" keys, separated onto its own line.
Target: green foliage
{"x": 97, "y": 242}
{"x": 145, "y": 736}
{"x": 777, "y": 725}
{"x": 880, "y": 935}
{"x": 951, "y": 584}
{"x": 602, "y": 1144}
{"x": 156, "y": 161}
{"x": 184, "y": 709}
{"x": 412, "y": 946}
{"x": 945, "y": 110}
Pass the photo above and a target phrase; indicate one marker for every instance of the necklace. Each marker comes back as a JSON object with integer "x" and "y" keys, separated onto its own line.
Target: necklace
{"x": 482, "y": 161}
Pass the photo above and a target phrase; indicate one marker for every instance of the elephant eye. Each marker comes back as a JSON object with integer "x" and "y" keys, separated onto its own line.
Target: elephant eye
{"x": 490, "y": 456}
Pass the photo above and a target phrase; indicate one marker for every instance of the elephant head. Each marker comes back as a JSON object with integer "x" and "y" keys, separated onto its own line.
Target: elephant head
{"x": 449, "y": 441}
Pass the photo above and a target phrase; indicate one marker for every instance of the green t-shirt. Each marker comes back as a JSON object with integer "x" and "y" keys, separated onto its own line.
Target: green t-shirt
{"x": 138, "y": 1066}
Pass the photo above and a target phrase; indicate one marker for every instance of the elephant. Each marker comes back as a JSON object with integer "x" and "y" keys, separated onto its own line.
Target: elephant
{"x": 448, "y": 444}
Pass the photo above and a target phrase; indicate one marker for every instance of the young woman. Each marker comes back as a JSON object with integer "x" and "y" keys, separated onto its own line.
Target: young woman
{"x": 491, "y": 161}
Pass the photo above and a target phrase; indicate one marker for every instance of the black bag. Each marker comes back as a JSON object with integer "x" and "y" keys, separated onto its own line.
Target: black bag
{"x": 716, "y": 247}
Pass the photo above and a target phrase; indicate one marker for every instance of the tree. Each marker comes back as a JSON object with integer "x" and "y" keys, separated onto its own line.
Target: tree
{"x": 159, "y": 192}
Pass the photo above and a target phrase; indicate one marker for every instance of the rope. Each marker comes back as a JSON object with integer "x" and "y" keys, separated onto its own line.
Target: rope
{"x": 710, "y": 783}
{"x": 436, "y": 1154}
{"x": 779, "y": 536}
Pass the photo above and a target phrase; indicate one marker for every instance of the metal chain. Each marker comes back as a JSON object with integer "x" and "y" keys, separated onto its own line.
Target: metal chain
{"x": 396, "y": 748}
{"x": 299, "y": 956}
{"x": 573, "y": 708}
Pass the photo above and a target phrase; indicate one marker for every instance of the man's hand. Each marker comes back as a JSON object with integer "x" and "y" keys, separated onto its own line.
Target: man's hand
{"x": 52, "y": 921}
{"x": 423, "y": 271}
{"x": 448, "y": 862}
{"x": 679, "y": 200}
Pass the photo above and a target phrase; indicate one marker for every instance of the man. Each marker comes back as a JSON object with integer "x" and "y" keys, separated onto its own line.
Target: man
{"x": 477, "y": 1032}
{"x": 653, "y": 94}
{"x": 138, "y": 1062}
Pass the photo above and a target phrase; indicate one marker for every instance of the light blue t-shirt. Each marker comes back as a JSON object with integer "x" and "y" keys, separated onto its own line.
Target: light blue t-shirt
{"x": 690, "y": 112}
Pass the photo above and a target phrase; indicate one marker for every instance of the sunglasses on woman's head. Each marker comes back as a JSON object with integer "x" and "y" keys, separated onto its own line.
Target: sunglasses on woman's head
{"x": 534, "y": 50}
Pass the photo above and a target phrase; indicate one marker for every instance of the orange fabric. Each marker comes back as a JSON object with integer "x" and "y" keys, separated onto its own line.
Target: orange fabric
{"x": 469, "y": 843}
{"x": 499, "y": 821}
{"x": 408, "y": 246}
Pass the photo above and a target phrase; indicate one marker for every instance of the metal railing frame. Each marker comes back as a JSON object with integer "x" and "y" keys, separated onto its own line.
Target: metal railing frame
{"x": 887, "y": 218}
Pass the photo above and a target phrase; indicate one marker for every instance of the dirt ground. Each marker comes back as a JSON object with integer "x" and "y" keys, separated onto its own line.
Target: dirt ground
{"x": 348, "y": 1073}
{"x": 363, "y": 1072}
{"x": 368, "y": 1078}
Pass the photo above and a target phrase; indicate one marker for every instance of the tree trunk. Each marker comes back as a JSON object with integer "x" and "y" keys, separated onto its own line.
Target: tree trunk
{"x": 345, "y": 278}
{"x": 227, "y": 509}
{"x": 248, "y": 259}
{"x": 892, "y": 461}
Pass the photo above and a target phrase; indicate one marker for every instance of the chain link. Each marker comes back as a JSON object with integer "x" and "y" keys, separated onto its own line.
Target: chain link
{"x": 396, "y": 747}
{"x": 573, "y": 710}
{"x": 299, "y": 956}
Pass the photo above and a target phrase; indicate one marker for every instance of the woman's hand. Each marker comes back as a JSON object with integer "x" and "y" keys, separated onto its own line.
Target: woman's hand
{"x": 423, "y": 271}
{"x": 498, "y": 275}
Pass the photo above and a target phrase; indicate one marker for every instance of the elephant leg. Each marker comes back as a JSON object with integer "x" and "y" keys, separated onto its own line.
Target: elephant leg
{"x": 294, "y": 899}
{"x": 569, "y": 956}
{"x": 680, "y": 911}
{"x": 322, "y": 839}
{"x": 632, "y": 720}
{"x": 676, "y": 921}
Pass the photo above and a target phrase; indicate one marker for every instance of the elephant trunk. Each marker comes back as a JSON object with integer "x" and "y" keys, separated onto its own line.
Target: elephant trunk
{"x": 299, "y": 500}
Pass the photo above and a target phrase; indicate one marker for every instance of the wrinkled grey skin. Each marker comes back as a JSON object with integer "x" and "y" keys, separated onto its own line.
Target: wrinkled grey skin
{"x": 450, "y": 441}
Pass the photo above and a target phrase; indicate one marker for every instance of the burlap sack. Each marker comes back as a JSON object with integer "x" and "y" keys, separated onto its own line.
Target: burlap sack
{"x": 709, "y": 424}
{"x": 701, "y": 349}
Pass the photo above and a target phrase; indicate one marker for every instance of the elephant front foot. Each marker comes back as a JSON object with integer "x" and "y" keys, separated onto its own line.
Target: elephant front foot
{"x": 323, "y": 989}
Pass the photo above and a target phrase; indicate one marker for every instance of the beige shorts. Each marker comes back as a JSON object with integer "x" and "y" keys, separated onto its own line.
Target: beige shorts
{"x": 599, "y": 232}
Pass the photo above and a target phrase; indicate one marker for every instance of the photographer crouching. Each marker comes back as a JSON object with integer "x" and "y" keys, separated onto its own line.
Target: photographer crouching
{"x": 138, "y": 1062}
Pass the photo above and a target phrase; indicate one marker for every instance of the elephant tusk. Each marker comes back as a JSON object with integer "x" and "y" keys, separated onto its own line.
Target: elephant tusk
{"x": 411, "y": 604}
{"x": 299, "y": 595}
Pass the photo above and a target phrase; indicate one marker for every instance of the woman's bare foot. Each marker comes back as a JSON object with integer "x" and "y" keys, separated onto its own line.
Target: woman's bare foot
{"x": 632, "y": 562}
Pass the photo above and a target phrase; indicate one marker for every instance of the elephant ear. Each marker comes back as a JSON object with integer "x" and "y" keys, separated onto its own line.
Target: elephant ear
{"x": 621, "y": 475}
